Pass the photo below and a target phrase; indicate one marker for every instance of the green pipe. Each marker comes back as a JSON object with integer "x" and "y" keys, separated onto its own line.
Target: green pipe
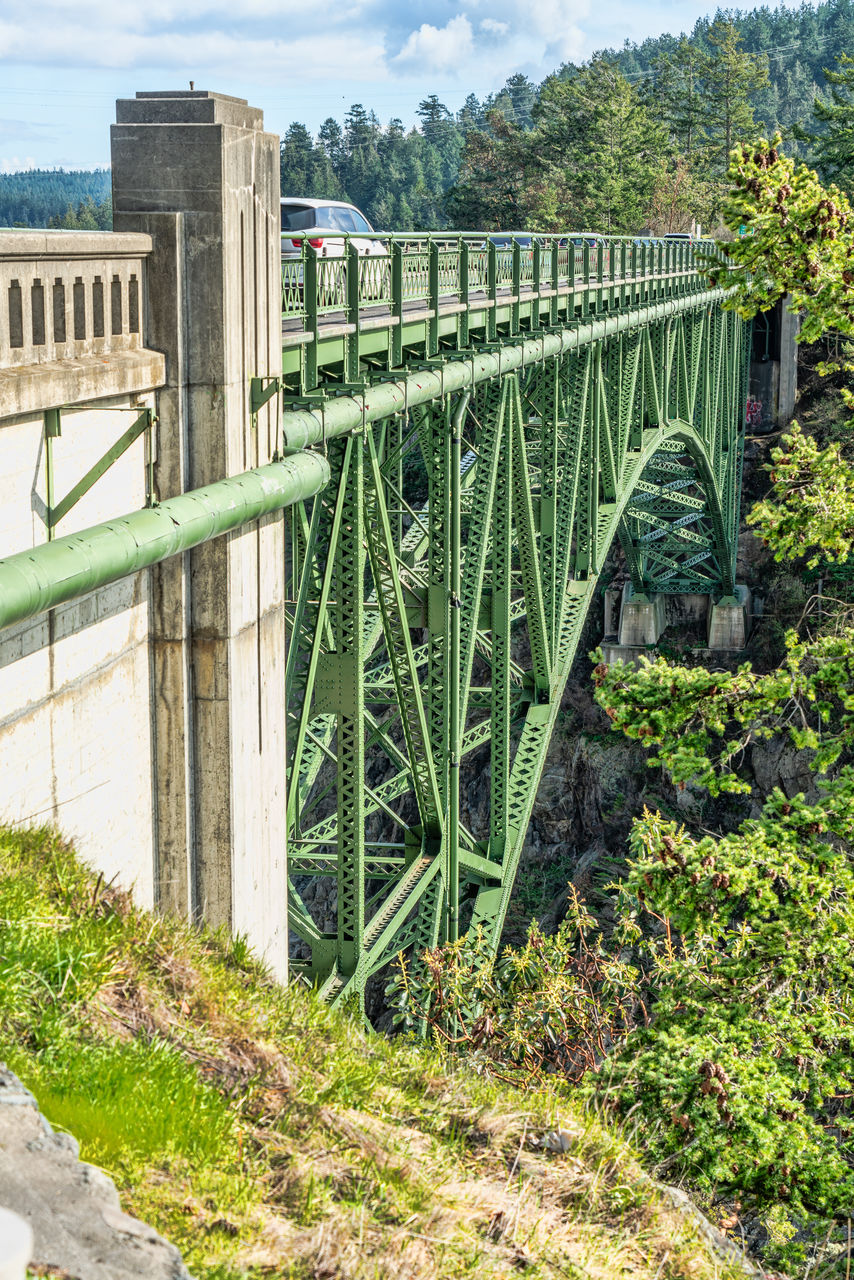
{"x": 342, "y": 414}
{"x": 51, "y": 574}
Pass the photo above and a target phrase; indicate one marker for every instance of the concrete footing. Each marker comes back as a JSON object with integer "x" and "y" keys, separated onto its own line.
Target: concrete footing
{"x": 642, "y": 618}
{"x": 634, "y": 623}
{"x": 729, "y": 620}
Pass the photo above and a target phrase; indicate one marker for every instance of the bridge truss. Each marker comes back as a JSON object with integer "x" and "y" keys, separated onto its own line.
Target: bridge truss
{"x": 439, "y": 589}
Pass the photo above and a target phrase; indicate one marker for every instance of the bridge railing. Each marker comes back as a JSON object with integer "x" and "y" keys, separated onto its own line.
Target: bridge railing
{"x": 68, "y": 294}
{"x": 348, "y": 274}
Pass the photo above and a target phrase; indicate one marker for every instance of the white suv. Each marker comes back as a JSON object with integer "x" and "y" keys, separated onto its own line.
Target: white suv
{"x": 318, "y": 221}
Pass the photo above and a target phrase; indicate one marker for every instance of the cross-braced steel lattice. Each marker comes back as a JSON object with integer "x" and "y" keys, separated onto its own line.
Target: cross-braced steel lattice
{"x": 439, "y": 590}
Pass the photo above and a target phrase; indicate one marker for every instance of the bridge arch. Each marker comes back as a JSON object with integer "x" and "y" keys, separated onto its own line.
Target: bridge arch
{"x": 442, "y": 584}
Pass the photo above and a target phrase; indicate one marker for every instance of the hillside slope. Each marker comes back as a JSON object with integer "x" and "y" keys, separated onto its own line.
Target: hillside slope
{"x": 266, "y": 1136}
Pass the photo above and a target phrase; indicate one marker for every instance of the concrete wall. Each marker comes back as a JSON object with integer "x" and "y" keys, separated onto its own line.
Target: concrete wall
{"x": 147, "y": 720}
{"x": 75, "y": 683}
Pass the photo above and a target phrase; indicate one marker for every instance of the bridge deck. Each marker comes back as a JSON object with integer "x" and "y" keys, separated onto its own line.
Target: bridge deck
{"x": 421, "y": 297}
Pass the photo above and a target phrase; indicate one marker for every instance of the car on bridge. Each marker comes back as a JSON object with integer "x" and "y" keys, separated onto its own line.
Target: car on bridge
{"x": 322, "y": 222}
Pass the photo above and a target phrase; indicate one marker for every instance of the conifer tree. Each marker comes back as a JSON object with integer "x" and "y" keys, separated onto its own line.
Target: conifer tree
{"x": 730, "y": 79}
{"x": 833, "y": 140}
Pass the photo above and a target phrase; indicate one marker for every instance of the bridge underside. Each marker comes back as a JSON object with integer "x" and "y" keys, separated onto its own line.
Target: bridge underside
{"x": 439, "y": 588}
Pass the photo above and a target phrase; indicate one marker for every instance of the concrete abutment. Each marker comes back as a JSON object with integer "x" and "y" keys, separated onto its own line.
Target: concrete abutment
{"x": 146, "y": 717}
{"x": 198, "y": 173}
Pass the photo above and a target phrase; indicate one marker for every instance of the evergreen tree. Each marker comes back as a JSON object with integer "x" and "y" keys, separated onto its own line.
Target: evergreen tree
{"x": 675, "y": 96}
{"x": 730, "y": 79}
{"x": 603, "y": 149}
{"x": 833, "y": 141}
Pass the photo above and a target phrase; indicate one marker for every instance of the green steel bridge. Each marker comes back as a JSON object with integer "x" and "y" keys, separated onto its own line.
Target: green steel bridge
{"x": 494, "y": 418}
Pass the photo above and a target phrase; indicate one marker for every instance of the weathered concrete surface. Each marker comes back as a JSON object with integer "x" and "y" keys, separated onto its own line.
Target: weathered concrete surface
{"x": 32, "y": 388}
{"x": 73, "y": 1208}
{"x": 197, "y": 173}
{"x": 642, "y": 618}
{"x": 24, "y": 243}
{"x": 75, "y": 683}
{"x": 729, "y": 620}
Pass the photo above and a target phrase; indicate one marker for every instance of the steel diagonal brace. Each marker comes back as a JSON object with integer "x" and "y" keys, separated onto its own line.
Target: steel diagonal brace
{"x": 397, "y": 786}
{"x": 528, "y": 551}
{"x": 399, "y": 645}
{"x": 388, "y": 920}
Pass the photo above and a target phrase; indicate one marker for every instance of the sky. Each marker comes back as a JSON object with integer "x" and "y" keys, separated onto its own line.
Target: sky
{"x": 64, "y": 62}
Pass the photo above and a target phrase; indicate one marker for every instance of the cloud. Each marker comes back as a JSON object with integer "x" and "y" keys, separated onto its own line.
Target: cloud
{"x": 277, "y": 39}
{"x": 493, "y": 28}
{"x": 20, "y": 130}
{"x": 437, "y": 48}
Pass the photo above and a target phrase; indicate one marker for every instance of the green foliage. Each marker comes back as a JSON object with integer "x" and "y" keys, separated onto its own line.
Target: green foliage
{"x": 36, "y": 196}
{"x": 701, "y": 722}
{"x": 87, "y": 216}
{"x": 799, "y": 240}
{"x": 809, "y": 510}
{"x": 730, "y": 78}
{"x": 744, "y": 1073}
{"x": 832, "y": 140}
{"x": 557, "y": 1004}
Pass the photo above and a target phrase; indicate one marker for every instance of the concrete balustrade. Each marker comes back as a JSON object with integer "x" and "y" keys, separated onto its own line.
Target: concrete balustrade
{"x": 71, "y": 318}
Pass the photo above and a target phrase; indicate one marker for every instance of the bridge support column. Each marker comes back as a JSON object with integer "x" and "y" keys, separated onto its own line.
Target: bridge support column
{"x": 728, "y": 620}
{"x": 198, "y": 173}
{"x": 642, "y": 618}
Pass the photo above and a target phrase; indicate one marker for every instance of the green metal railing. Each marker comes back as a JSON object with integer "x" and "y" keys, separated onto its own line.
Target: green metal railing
{"x": 400, "y": 270}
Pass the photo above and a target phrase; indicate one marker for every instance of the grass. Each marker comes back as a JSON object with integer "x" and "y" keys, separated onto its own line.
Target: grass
{"x": 268, "y": 1137}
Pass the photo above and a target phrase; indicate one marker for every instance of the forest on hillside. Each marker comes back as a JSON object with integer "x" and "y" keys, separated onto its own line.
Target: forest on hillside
{"x": 54, "y": 197}
{"x": 636, "y": 137}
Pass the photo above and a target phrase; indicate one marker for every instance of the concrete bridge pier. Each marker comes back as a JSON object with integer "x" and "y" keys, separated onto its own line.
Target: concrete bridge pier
{"x": 642, "y": 617}
{"x": 634, "y": 622}
{"x": 199, "y": 174}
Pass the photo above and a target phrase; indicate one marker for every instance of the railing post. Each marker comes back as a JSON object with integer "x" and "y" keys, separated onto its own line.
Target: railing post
{"x": 464, "y": 282}
{"x": 353, "y": 355}
{"x": 310, "y": 301}
{"x": 585, "y": 276}
{"x": 515, "y": 285}
{"x": 433, "y": 297}
{"x": 554, "y": 300}
{"x": 491, "y": 289}
{"x": 397, "y": 303}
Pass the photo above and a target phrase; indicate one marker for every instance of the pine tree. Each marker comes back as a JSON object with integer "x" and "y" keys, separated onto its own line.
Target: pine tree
{"x": 833, "y": 141}
{"x": 675, "y": 96}
{"x": 729, "y": 81}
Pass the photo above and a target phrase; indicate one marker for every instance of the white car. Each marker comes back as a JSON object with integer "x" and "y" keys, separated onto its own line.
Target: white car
{"x": 319, "y": 221}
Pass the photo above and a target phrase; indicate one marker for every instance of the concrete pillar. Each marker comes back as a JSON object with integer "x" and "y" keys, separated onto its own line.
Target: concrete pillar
{"x": 642, "y": 618}
{"x": 197, "y": 171}
{"x": 729, "y": 620}
{"x": 789, "y": 326}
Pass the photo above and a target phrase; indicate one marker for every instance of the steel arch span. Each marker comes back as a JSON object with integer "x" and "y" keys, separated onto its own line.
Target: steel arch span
{"x": 439, "y": 589}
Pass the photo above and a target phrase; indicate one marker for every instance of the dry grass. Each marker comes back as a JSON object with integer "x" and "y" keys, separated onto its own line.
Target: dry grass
{"x": 268, "y": 1137}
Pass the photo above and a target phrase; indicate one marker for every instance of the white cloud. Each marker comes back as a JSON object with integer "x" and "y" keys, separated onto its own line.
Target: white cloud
{"x": 493, "y": 28}
{"x": 437, "y": 48}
